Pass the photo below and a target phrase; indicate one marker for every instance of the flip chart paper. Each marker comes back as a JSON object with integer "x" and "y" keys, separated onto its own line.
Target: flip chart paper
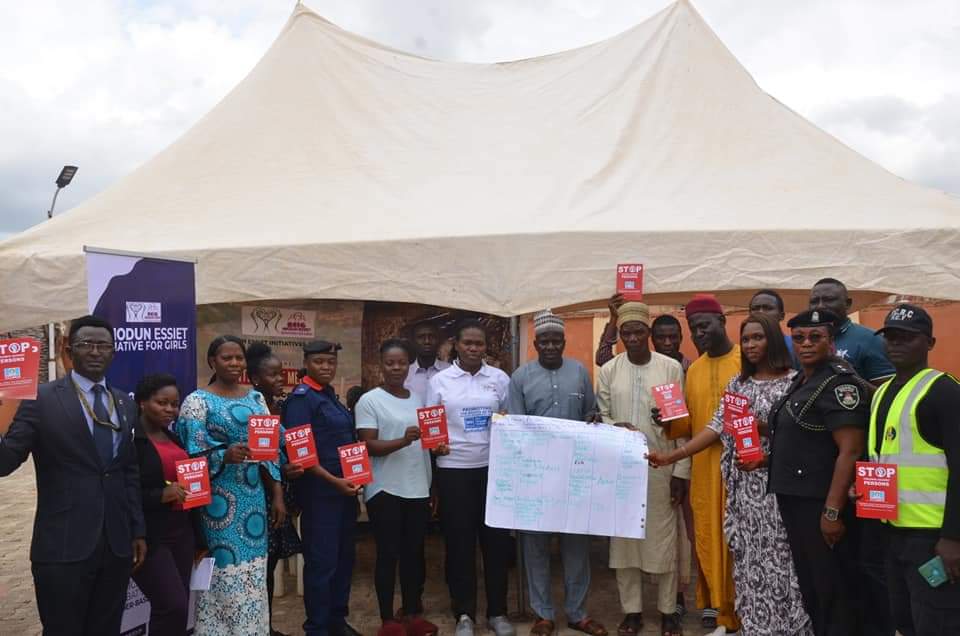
{"x": 564, "y": 476}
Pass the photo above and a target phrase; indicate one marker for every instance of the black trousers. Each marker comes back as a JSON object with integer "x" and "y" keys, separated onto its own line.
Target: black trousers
{"x": 399, "y": 526}
{"x": 165, "y": 577}
{"x": 83, "y": 598}
{"x": 463, "y": 496}
{"x": 918, "y": 609}
{"x": 827, "y": 577}
{"x": 871, "y": 536}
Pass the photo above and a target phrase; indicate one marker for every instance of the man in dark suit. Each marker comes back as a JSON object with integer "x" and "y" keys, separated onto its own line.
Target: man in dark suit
{"x": 88, "y": 531}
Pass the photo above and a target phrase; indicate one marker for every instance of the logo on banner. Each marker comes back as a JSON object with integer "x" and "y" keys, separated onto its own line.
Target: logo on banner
{"x": 138, "y": 311}
{"x": 11, "y": 374}
{"x": 278, "y": 323}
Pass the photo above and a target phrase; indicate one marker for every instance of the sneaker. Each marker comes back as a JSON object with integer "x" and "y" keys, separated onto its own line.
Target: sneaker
{"x": 500, "y": 626}
{"x": 719, "y": 631}
{"x": 419, "y": 626}
{"x": 464, "y": 626}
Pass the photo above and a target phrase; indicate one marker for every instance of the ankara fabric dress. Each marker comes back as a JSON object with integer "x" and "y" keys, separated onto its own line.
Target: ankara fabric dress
{"x": 706, "y": 381}
{"x": 768, "y": 599}
{"x": 235, "y": 522}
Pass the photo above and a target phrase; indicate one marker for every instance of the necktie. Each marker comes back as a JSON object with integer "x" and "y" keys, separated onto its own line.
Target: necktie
{"x": 102, "y": 435}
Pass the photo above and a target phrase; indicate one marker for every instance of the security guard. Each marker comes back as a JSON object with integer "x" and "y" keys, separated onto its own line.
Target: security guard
{"x": 817, "y": 435}
{"x": 328, "y": 501}
{"x": 913, "y": 424}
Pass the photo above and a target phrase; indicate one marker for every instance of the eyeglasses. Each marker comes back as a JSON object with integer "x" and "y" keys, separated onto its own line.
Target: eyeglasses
{"x": 86, "y": 346}
{"x": 815, "y": 338}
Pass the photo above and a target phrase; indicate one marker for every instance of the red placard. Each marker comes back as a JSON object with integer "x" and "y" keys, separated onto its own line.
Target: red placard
{"x": 193, "y": 475}
{"x": 263, "y": 438}
{"x": 355, "y": 462}
{"x": 735, "y": 406}
{"x": 19, "y": 368}
{"x": 630, "y": 281}
{"x": 301, "y": 449}
{"x": 669, "y": 399}
{"x": 433, "y": 426}
{"x": 747, "y": 437}
{"x": 877, "y": 486}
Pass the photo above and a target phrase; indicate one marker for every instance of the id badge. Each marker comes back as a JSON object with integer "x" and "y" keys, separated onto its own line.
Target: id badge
{"x": 476, "y": 419}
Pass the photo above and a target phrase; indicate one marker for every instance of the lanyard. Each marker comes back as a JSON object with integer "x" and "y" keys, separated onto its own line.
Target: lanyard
{"x": 111, "y": 407}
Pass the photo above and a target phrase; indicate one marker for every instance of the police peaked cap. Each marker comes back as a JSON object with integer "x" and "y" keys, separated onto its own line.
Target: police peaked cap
{"x": 321, "y": 346}
{"x": 816, "y": 318}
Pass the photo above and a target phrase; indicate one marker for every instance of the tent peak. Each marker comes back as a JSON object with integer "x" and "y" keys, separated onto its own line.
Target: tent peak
{"x": 675, "y": 10}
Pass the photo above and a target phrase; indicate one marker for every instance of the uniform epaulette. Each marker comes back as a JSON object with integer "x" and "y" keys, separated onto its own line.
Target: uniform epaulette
{"x": 842, "y": 367}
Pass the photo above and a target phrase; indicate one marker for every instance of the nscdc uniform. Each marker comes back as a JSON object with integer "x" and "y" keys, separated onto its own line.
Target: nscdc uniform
{"x": 913, "y": 425}
{"x": 328, "y": 518}
{"x": 802, "y": 458}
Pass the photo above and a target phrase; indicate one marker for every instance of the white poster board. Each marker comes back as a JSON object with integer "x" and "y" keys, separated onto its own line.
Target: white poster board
{"x": 136, "y": 612}
{"x": 557, "y": 475}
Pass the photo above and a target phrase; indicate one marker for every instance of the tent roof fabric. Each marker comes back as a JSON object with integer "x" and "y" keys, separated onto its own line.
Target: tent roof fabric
{"x": 342, "y": 169}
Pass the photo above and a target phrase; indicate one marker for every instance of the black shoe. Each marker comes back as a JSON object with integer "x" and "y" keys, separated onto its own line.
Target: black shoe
{"x": 343, "y": 629}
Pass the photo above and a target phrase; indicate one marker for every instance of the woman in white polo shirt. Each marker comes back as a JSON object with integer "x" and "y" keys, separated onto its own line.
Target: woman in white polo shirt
{"x": 398, "y": 500}
{"x": 471, "y": 391}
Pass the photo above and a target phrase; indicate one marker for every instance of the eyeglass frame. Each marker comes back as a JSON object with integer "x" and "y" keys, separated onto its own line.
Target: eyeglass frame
{"x": 84, "y": 346}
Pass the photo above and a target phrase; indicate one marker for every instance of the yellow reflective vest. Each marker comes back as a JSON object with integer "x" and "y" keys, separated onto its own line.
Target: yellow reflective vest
{"x": 921, "y": 467}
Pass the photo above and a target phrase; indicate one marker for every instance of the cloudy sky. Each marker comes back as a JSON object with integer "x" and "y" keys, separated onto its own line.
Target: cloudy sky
{"x": 106, "y": 84}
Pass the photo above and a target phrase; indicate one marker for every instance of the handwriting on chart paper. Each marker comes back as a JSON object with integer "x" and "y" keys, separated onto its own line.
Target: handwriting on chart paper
{"x": 563, "y": 476}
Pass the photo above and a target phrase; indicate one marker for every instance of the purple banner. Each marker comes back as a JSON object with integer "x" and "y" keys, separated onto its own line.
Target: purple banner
{"x": 151, "y": 304}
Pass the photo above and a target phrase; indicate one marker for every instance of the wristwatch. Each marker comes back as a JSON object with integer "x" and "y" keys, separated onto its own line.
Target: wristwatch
{"x": 831, "y": 514}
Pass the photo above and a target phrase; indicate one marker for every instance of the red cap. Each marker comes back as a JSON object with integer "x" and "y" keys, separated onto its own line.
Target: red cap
{"x": 703, "y": 304}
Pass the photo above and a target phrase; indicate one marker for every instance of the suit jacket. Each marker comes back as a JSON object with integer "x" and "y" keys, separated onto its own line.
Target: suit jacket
{"x": 157, "y": 514}
{"x": 78, "y": 497}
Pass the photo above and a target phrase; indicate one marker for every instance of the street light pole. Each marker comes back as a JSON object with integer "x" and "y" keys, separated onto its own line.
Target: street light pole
{"x": 63, "y": 180}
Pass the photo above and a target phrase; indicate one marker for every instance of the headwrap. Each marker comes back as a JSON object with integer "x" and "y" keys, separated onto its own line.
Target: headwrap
{"x": 703, "y": 304}
{"x": 546, "y": 320}
{"x": 633, "y": 311}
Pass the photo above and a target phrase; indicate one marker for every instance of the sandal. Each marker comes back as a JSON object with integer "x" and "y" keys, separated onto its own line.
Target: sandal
{"x": 709, "y": 618}
{"x": 631, "y": 625}
{"x": 589, "y": 626}
{"x": 670, "y": 625}
{"x": 543, "y": 627}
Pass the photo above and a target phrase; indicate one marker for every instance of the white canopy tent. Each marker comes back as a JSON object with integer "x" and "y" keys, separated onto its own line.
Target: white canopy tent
{"x": 348, "y": 170}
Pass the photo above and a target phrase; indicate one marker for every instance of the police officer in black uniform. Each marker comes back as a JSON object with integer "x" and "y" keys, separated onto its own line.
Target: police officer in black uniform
{"x": 818, "y": 432}
{"x": 327, "y": 500}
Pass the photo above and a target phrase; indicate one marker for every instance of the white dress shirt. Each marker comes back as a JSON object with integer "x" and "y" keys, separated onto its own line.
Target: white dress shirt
{"x": 418, "y": 378}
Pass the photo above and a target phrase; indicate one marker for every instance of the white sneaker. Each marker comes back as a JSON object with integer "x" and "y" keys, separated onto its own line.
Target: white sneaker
{"x": 719, "y": 631}
{"x": 501, "y": 626}
{"x": 464, "y": 626}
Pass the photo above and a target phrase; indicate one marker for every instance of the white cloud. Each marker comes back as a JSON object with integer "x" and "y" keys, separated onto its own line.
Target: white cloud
{"x": 106, "y": 84}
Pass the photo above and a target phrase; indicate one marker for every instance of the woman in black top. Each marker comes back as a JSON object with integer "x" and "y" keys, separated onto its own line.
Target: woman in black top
{"x": 174, "y": 539}
{"x": 266, "y": 375}
{"x": 818, "y": 430}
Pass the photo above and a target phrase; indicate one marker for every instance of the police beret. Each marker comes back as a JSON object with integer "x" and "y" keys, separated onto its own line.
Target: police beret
{"x": 321, "y": 346}
{"x": 816, "y": 318}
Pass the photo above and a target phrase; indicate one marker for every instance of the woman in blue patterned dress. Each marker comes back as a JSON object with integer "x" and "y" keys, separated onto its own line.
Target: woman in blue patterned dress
{"x": 213, "y": 422}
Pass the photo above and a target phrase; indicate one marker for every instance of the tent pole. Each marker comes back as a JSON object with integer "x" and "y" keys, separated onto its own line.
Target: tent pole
{"x": 521, "y": 583}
